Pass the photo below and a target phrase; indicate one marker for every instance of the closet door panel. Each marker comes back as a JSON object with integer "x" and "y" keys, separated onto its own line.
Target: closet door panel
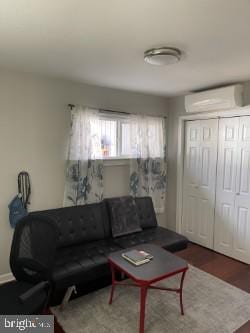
{"x": 203, "y": 220}
{"x": 207, "y": 181}
{"x": 226, "y": 227}
{"x": 226, "y": 185}
{"x": 241, "y": 233}
{"x": 191, "y": 179}
{"x": 190, "y": 221}
{"x": 241, "y": 239}
{"x": 192, "y": 152}
{"x": 199, "y": 181}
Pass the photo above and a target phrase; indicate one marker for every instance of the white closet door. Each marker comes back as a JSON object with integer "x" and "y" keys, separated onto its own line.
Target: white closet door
{"x": 226, "y": 185}
{"x": 199, "y": 181}
{"x": 191, "y": 179}
{"x": 241, "y": 230}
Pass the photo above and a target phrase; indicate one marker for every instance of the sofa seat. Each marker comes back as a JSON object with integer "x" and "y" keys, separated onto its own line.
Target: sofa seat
{"x": 163, "y": 237}
{"x": 82, "y": 263}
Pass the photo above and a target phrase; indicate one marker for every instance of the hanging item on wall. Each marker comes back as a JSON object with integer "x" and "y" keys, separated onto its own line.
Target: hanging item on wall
{"x": 18, "y": 205}
{"x": 24, "y": 188}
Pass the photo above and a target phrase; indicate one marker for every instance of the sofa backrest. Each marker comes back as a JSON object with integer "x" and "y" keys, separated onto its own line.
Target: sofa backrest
{"x": 146, "y": 212}
{"x": 79, "y": 224}
{"x": 86, "y": 223}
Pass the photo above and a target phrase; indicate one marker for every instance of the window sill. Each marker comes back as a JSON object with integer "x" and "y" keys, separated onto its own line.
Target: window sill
{"x": 115, "y": 161}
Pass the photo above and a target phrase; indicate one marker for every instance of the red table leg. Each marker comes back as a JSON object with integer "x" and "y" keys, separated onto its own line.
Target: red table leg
{"x": 142, "y": 309}
{"x": 181, "y": 287}
{"x": 113, "y": 283}
{"x": 143, "y": 285}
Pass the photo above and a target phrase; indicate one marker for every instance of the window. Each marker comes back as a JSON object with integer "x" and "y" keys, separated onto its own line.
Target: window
{"x": 105, "y": 135}
{"x": 115, "y": 137}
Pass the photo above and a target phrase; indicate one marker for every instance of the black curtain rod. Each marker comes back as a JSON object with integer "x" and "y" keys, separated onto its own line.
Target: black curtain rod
{"x": 72, "y": 106}
{"x": 107, "y": 110}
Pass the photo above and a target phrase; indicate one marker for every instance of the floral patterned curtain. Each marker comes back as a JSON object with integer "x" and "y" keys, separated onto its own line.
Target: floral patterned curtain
{"x": 84, "y": 174}
{"x": 148, "y": 175}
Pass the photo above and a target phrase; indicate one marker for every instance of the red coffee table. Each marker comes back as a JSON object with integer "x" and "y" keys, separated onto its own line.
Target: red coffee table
{"x": 162, "y": 266}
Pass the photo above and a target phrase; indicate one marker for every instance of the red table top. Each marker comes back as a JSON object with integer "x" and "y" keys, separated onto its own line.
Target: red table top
{"x": 163, "y": 265}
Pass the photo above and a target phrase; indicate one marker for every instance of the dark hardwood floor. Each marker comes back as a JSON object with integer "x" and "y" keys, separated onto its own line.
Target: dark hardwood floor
{"x": 227, "y": 269}
{"x": 232, "y": 271}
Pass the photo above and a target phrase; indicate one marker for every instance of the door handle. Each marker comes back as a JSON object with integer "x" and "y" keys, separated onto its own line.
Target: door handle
{"x": 238, "y": 193}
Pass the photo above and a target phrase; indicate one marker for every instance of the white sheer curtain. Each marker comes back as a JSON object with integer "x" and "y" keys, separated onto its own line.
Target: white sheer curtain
{"x": 148, "y": 159}
{"x": 84, "y": 174}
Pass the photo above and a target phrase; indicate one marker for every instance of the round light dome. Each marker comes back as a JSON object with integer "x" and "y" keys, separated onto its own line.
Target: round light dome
{"x": 162, "y": 56}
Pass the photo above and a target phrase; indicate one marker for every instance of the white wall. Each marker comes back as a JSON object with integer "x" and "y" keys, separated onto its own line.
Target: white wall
{"x": 34, "y": 124}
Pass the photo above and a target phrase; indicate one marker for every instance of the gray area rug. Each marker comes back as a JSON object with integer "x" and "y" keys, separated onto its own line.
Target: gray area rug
{"x": 210, "y": 304}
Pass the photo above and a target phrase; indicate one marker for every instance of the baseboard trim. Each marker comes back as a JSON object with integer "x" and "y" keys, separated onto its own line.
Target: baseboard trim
{"x": 6, "y": 278}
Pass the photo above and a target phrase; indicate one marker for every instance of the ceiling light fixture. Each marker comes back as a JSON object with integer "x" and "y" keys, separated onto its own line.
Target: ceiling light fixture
{"x": 162, "y": 56}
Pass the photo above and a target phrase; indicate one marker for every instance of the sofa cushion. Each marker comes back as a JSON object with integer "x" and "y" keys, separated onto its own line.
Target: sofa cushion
{"x": 123, "y": 216}
{"x": 146, "y": 212}
{"x": 163, "y": 237}
{"x": 78, "y": 224}
{"x": 82, "y": 263}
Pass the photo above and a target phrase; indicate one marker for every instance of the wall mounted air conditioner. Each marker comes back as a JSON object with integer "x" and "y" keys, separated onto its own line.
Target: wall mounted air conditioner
{"x": 215, "y": 99}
